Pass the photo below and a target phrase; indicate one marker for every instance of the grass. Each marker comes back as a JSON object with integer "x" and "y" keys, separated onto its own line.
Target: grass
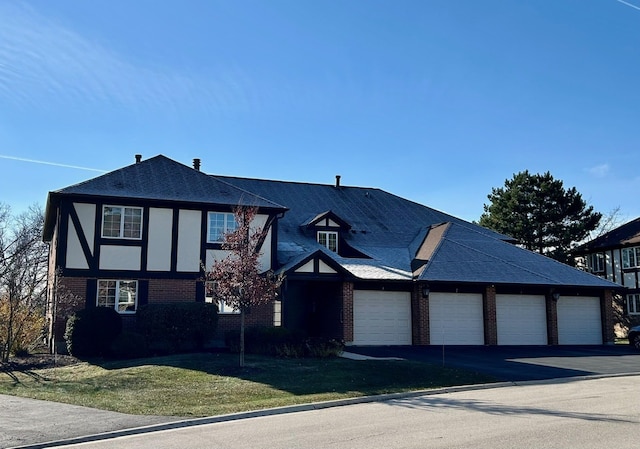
{"x": 193, "y": 385}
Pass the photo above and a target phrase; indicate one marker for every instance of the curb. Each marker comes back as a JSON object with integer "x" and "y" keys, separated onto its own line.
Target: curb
{"x": 309, "y": 407}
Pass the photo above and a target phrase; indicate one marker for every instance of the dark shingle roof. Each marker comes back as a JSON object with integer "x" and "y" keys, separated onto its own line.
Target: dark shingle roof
{"x": 390, "y": 230}
{"x": 465, "y": 255}
{"x": 160, "y": 178}
{"x": 157, "y": 178}
{"x": 627, "y": 234}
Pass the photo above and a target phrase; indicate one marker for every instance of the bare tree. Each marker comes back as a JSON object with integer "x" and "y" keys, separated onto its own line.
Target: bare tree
{"x": 608, "y": 222}
{"x": 23, "y": 274}
{"x": 236, "y": 278}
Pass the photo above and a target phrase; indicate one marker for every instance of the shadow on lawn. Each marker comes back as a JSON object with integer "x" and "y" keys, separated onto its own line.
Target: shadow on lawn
{"x": 315, "y": 375}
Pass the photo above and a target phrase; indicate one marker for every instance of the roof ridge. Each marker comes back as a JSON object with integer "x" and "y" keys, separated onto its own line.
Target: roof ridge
{"x": 248, "y": 192}
{"x": 508, "y": 262}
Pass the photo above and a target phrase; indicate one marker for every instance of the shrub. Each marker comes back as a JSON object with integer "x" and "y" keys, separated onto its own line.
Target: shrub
{"x": 267, "y": 341}
{"x": 283, "y": 342}
{"x": 129, "y": 345}
{"x": 177, "y": 327}
{"x": 90, "y": 332}
{"x": 324, "y": 347}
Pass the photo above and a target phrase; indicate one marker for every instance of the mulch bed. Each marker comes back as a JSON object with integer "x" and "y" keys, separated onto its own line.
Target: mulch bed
{"x": 37, "y": 361}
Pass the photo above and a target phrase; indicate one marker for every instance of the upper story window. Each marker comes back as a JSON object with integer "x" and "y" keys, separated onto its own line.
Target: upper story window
{"x": 121, "y": 222}
{"x": 630, "y": 257}
{"x": 328, "y": 239}
{"x": 121, "y": 295}
{"x": 633, "y": 304}
{"x": 595, "y": 262}
{"x": 219, "y": 225}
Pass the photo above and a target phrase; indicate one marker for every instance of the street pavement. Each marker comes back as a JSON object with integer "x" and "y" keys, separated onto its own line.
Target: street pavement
{"x": 585, "y": 414}
{"x": 518, "y": 363}
{"x": 29, "y": 423}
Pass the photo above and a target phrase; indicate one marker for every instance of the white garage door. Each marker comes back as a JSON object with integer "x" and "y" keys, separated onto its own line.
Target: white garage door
{"x": 579, "y": 320}
{"x": 521, "y": 320}
{"x": 456, "y": 319}
{"x": 381, "y": 318}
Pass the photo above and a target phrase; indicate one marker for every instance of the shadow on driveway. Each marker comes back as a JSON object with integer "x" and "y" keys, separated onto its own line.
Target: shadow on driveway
{"x": 518, "y": 363}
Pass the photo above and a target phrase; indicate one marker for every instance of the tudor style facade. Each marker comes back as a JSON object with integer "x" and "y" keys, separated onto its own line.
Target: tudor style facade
{"x": 615, "y": 256}
{"x": 360, "y": 264}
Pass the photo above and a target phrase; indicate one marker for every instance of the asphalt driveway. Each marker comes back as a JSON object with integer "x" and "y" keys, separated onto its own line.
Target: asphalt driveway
{"x": 518, "y": 363}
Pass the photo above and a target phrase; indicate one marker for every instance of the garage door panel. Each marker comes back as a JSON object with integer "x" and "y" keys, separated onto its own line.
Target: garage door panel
{"x": 521, "y": 319}
{"x": 381, "y": 318}
{"x": 456, "y": 319}
{"x": 579, "y": 320}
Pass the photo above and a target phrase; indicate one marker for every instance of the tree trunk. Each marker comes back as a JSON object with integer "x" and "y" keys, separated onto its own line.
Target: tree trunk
{"x": 242, "y": 338}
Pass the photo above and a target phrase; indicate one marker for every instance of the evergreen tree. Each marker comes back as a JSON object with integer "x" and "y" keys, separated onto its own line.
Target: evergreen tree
{"x": 541, "y": 214}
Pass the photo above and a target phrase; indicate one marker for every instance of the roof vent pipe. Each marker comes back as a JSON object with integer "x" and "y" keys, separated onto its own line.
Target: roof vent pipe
{"x": 196, "y": 164}
{"x": 337, "y": 181}
{"x": 138, "y": 158}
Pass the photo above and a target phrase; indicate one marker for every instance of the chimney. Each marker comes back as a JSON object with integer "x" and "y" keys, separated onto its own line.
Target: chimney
{"x": 138, "y": 158}
{"x": 196, "y": 164}
{"x": 337, "y": 181}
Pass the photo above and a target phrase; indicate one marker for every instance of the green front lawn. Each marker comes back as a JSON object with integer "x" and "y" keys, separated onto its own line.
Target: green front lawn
{"x": 191, "y": 385}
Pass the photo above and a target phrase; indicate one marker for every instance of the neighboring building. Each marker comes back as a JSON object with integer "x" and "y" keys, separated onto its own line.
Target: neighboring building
{"x": 360, "y": 264}
{"x": 615, "y": 256}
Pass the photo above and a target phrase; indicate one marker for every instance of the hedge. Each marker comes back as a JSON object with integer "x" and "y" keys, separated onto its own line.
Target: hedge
{"x": 90, "y": 332}
{"x": 177, "y": 327}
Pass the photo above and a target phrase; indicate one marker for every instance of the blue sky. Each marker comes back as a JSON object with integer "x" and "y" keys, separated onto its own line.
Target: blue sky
{"x": 437, "y": 101}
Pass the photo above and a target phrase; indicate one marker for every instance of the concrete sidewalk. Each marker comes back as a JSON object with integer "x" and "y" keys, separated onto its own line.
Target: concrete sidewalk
{"x": 30, "y": 421}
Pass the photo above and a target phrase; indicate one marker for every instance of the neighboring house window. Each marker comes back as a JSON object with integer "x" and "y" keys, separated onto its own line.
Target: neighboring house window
{"x": 596, "y": 262}
{"x": 328, "y": 239}
{"x": 277, "y": 313}
{"x": 223, "y": 307}
{"x": 121, "y": 295}
{"x": 630, "y": 257}
{"x": 219, "y": 225}
{"x": 633, "y": 304}
{"x": 121, "y": 222}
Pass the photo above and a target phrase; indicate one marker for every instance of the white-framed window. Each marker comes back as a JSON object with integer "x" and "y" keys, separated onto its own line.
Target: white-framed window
{"x": 633, "y": 304}
{"x": 631, "y": 257}
{"x": 328, "y": 239}
{"x": 223, "y": 308}
{"x": 120, "y": 222}
{"x": 220, "y": 224}
{"x": 119, "y": 294}
{"x": 596, "y": 262}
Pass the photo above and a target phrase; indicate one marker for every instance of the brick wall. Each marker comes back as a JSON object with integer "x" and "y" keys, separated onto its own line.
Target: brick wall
{"x": 70, "y": 297}
{"x": 608, "y": 321}
{"x": 490, "y": 320}
{"x": 419, "y": 317}
{"x": 552, "y": 319}
{"x": 347, "y": 311}
{"x": 170, "y": 290}
{"x": 259, "y": 316}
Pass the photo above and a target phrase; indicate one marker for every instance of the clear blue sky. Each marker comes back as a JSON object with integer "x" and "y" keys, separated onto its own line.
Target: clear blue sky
{"x": 437, "y": 101}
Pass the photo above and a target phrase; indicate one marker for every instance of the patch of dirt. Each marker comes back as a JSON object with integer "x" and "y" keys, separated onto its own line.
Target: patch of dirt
{"x": 37, "y": 361}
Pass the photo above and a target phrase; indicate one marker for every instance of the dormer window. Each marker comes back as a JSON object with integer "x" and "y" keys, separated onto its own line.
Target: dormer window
{"x": 328, "y": 239}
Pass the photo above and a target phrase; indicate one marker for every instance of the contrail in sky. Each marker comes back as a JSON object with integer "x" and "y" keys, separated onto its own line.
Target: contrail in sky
{"x": 629, "y": 4}
{"x": 55, "y": 164}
